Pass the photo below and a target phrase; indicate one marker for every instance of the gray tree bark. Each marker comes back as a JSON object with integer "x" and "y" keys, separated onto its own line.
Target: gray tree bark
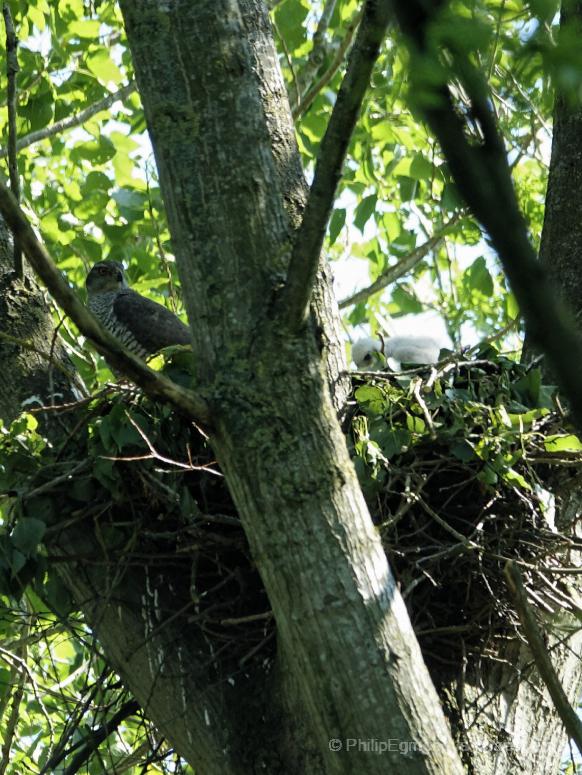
{"x": 228, "y": 173}
{"x": 37, "y": 371}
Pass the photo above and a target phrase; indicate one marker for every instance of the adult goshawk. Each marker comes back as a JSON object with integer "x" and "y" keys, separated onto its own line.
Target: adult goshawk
{"x": 142, "y": 325}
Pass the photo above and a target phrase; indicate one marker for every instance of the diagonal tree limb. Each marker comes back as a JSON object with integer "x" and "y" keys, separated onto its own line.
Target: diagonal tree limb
{"x": 309, "y": 240}
{"x": 483, "y": 177}
{"x": 392, "y": 273}
{"x": 152, "y": 383}
{"x": 97, "y": 736}
{"x": 535, "y": 640}
{"x": 72, "y": 121}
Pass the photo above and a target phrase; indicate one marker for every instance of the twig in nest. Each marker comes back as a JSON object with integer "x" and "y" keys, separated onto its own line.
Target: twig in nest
{"x": 157, "y": 456}
{"x": 246, "y": 619}
{"x": 424, "y": 407}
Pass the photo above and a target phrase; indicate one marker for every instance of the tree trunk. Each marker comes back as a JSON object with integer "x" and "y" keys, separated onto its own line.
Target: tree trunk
{"x": 36, "y": 370}
{"x": 342, "y": 628}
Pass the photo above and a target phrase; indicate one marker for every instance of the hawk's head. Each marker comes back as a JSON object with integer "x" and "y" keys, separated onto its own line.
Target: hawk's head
{"x": 105, "y": 276}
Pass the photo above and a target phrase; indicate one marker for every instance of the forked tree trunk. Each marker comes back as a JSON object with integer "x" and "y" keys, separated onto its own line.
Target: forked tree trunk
{"x": 349, "y": 666}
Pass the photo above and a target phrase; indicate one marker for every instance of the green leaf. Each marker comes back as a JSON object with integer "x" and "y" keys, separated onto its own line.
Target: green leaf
{"x": 513, "y": 477}
{"x": 289, "y": 17}
{"x": 27, "y": 534}
{"x": 371, "y": 398}
{"x": 364, "y": 211}
{"x": 421, "y": 168}
{"x": 104, "y": 68}
{"x": 545, "y": 10}
{"x": 408, "y": 187}
{"x": 463, "y": 451}
{"x": 392, "y": 441}
{"x": 488, "y": 475}
{"x": 404, "y": 303}
{"x": 96, "y": 181}
{"x": 479, "y": 277}
{"x": 97, "y": 152}
{"x": 85, "y": 28}
{"x": 415, "y": 424}
{"x": 57, "y": 595}
{"x": 39, "y": 109}
{"x": 336, "y": 224}
{"x": 131, "y": 203}
{"x": 562, "y": 443}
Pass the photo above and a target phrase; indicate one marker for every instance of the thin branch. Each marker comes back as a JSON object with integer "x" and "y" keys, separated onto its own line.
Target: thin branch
{"x": 163, "y": 258}
{"x": 72, "y": 121}
{"x": 307, "y": 248}
{"x": 392, "y": 273}
{"x": 96, "y": 737}
{"x": 11, "y": 71}
{"x": 152, "y": 383}
{"x": 17, "y": 697}
{"x": 320, "y": 49}
{"x": 155, "y": 455}
{"x": 535, "y": 640}
{"x": 483, "y": 178}
{"x": 292, "y": 93}
{"x": 310, "y": 95}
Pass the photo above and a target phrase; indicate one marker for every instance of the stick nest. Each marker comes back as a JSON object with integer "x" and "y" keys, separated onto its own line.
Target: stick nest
{"x": 457, "y": 465}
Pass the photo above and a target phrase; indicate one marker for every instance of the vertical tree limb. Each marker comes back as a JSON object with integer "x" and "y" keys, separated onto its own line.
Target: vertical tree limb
{"x": 11, "y": 70}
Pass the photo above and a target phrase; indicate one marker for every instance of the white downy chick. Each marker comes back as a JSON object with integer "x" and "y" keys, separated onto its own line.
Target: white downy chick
{"x": 370, "y": 353}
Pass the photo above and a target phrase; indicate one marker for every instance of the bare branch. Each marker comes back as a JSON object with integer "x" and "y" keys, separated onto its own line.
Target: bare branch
{"x": 72, "y": 121}
{"x": 392, "y": 273}
{"x": 535, "y": 640}
{"x": 152, "y": 383}
{"x": 307, "y": 249}
{"x": 483, "y": 177}
{"x": 11, "y": 70}
{"x": 96, "y": 737}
